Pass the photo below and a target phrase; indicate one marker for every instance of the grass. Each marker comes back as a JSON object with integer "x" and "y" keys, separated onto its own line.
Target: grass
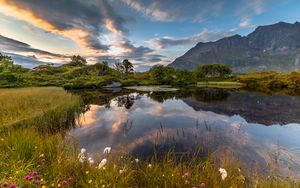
{"x": 51, "y": 158}
{"x": 270, "y": 81}
{"x": 43, "y": 108}
{"x": 220, "y": 84}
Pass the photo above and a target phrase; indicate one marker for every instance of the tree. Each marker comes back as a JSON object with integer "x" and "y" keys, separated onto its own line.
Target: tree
{"x": 10, "y": 71}
{"x": 157, "y": 73}
{"x": 77, "y": 60}
{"x": 124, "y": 68}
{"x": 119, "y": 67}
{"x": 212, "y": 71}
{"x": 6, "y": 63}
{"x": 128, "y": 66}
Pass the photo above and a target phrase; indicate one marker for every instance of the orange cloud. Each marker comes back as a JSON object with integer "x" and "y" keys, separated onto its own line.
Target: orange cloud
{"x": 78, "y": 35}
{"x": 110, "y": 26}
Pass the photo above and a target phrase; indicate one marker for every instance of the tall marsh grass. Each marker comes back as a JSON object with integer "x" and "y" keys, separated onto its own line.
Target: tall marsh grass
{"x": 47, "y": 109}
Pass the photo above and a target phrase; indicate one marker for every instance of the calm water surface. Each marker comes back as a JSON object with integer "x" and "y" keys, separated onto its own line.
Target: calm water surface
{"x": 260, "y": 129}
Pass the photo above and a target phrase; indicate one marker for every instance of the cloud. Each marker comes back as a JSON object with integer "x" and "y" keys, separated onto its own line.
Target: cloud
{"x": 203, "y": 36}
{"x": 28, "y": 56}
{"x": 245, "y": 22}
{"x": 152, "y": 9}
{"x": 82, "y": 21}
{"x": 11, "y": 45}
{"x": 248, "y": 8}
{"x": 170, "y": 10}
{"x": 257, "y": 5}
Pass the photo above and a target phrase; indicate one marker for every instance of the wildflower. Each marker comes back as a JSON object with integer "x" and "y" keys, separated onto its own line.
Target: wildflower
{"x": 86, "y": 172}
{"x": 186, "y": 182}
{"x": 122, "y": 171}
{"x": 81, "y": 155}
{"x": 52, "y": 185}
{"x": 58, "y": 185}
{"x": 104, "y": 168}
{"x": 186, "y": 174}
{"x": 202, "y": 185}
{"x": 102, "y": 163}
{"x": 42, "y": 156}
{"x": 107, "y": 150}
{"x": 64, "y": 182}
{"x": 91, "y": 161}
{"x": 172, "y": 175}
{"x": 12, "y": 186}
{"x": 29, "y": 178}
{"x": 34, "y": 174}
{"x": 90, "y": 181}
{"x": 223, "y": 173}
{"x": 2, "y": 139}
{"x": 136, "y": 160}
{"x": 43, "y": 186}
{"x": 149, "y": 165}
{"x": 4, "y": 184}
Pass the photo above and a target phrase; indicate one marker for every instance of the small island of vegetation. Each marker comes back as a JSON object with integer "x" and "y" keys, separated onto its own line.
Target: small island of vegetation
{"x": 77, "y": 74}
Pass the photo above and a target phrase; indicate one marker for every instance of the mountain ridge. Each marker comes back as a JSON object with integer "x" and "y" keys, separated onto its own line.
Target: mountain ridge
{"x": 273, "y": 47}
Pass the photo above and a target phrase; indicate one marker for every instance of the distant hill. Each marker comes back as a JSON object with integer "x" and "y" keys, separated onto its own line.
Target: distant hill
{"x": 269, "y": 48}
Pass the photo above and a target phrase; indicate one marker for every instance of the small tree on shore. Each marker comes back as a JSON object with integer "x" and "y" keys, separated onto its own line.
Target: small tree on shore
{"x": 128, "y": 66}
{"x": 77, "y": 60}
{"x": 125, "y": 68}
{"x": 213, "y": 71}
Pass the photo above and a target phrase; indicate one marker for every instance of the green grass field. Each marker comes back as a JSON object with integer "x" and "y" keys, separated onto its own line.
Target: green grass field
{"x": 221, "y": 84}
{"x": 33, "y": 158}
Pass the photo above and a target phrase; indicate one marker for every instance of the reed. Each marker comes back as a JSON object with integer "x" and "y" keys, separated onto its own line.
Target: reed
{"x": 46, "y": 109}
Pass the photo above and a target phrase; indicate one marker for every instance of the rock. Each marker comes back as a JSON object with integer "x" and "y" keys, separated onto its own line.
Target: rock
{"x": 113, "y": 85}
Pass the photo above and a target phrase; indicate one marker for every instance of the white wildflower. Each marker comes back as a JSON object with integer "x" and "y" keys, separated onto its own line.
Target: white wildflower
{"x": 83, "y": 150}
{"x": 136, "y": 160}
{"x": 223, "y": 173}
{"x": 107, "y": 150}
{"x": 81, "y": 155}
{"x": 122, "y": 171}
{"x": 91, "y": 161}
{"x": 149, "y": 165}
{"x": 102, "y": 163}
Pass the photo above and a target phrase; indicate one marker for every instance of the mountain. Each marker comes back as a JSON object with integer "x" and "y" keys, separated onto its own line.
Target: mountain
{"x": 269, "y": 48}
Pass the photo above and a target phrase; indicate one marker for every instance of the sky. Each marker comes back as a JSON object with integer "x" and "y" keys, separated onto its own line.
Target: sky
{"x": 147, "y": 32}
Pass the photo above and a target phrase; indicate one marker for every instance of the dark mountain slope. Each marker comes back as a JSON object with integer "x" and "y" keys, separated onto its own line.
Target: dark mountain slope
{"x": 269, "y": 48}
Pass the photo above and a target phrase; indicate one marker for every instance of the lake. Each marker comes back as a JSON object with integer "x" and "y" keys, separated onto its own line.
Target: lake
{"x": 260, "y": 129}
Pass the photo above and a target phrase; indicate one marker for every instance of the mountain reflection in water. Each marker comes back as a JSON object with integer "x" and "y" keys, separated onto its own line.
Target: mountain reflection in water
{"x": 256, "y": 127}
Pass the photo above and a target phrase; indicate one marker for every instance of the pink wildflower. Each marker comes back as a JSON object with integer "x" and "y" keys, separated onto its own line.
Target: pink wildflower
{"x": 186, "y": 174}
{"x": 65, "y": 182}
{"x": 34, "y": 174}
{"x": 202, "y": 185}
{"x": 28, "y": 178}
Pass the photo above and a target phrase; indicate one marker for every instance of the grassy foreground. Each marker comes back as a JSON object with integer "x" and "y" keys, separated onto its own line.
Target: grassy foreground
{"x": 46, "y": 109}
{"x": 30, "y": 158}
